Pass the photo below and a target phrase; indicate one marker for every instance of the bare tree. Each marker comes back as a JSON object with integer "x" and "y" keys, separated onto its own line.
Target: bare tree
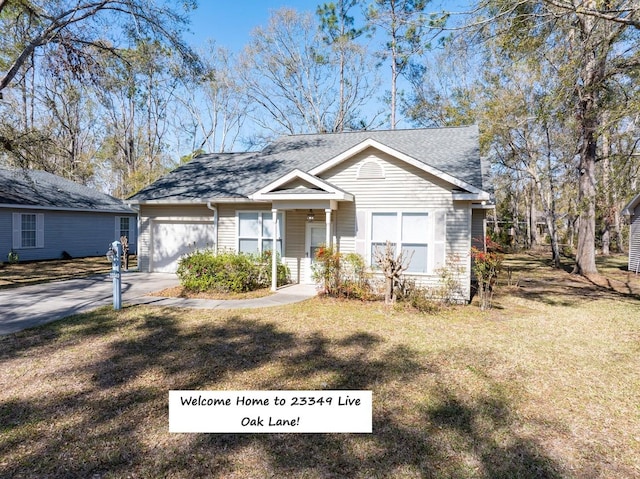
{"x": 213, "y": 104}
{"x": 592, "y": 46}
{"x": 290, "y": 75}
{"x": 392, "y": 266}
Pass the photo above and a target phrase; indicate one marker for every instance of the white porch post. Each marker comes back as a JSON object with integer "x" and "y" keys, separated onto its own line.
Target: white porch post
{"x": 274, "y": 250}
{"x": 327, "y": 215}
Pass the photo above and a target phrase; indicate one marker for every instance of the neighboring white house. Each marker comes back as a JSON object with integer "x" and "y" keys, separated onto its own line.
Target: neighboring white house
{"x": 632, "y": 210}
{"x": 421, "y": 189}
{"x": 43, "y": 215}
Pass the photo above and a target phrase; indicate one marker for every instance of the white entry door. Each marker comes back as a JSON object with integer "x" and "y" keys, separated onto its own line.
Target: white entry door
{"x": 314, "y": 238}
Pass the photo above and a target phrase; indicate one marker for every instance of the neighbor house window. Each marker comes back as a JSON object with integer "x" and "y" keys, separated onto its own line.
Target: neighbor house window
{"x": 28, "y": 230}
{"x": 123, "y": 227}
{"x": 255, "y": 232}
{"x": 407, "y": 231}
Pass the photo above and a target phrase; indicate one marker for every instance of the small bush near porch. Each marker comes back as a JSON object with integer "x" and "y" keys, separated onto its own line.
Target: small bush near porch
{"x": 228, "y": 272}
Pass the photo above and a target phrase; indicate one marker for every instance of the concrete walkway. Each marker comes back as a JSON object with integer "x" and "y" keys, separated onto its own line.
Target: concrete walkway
{"x": 30, "y": 306}
{"x": 289, "y": 294}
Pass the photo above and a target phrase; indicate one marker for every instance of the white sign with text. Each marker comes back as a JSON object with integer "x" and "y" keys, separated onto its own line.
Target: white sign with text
{"x": 270, "y": 411}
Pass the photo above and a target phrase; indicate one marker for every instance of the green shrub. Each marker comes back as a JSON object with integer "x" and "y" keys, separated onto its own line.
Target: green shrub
{"x": 419, "y": 298}
{"x": 486, "y": 266}
{"x": 225, "y": 272}
{"x": 12, "y": 257}
{"x": 342, "y": 275}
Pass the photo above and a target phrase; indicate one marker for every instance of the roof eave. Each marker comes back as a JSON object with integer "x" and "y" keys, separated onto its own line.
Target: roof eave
{"x": 199, "y": 201}
{"x": 303, "y": 196}
{"x": 65, "y": 208}
{"x": 631, "y": 206}
{"x": 479, "y": 196}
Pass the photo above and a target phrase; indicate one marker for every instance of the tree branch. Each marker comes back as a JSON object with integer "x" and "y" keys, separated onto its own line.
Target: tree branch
{"x": 625, "y": 16}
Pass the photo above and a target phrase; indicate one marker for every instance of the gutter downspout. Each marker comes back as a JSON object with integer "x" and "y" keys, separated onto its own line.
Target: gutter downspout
{"x": 215, "y": 225}
{"x": 136, "y": 208}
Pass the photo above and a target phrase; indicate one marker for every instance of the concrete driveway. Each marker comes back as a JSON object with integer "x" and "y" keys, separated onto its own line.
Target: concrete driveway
{"x": 30, "y": 306}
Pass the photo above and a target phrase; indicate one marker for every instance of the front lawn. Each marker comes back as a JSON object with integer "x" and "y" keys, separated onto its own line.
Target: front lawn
{"x": 544, "y": 385}
{"x": 34, "y": 272}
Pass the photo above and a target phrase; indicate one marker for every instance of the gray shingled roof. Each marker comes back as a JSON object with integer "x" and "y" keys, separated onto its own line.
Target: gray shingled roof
{"x": 454, "y": 151}
{"x": 45, "y": 190}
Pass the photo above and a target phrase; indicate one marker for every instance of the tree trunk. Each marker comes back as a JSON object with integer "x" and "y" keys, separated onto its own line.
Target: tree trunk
{"x": 592, "y": 74}
{"x": 586, "y": 252}
{"x": 608, "y": 205}
{"x": 394, "y": 78}
{"x": 533, "y": 214}
{"x": 388, "y": 291}
{"x": 617, "y": 227}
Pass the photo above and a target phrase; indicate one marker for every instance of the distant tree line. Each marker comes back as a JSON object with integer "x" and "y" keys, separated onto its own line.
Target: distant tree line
{"x": 108, "y": 93}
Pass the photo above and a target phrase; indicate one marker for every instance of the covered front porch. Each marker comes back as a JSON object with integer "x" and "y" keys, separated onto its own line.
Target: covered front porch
{"x": 311, "y": 205}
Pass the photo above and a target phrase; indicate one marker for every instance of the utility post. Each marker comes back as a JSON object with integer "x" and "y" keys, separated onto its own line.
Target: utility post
{"x": 114, "y": 255}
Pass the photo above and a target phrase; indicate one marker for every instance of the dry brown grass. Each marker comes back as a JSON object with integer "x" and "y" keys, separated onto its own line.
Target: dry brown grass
{"x": 545, "y": 385}
{"x": 181, "y": 292}
{"x": 33, "y": 272}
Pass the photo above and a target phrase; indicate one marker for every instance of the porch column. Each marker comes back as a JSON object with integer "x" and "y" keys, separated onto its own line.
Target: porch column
{"x": 327, "y": 216}
{"x": 274, "y": 250}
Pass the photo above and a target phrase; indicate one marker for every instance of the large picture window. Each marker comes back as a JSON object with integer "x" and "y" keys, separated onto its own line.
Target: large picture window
{"x": 407, "y": 231}
{"x": 255, "y": 232}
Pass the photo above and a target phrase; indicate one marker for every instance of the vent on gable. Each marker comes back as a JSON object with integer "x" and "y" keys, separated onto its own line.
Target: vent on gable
{"x": 370, "y": 170}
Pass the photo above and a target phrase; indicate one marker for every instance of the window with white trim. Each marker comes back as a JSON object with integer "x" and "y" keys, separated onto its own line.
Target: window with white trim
{"x": 123, "y": 227}
{"x": 407, "y": 230}
{"x": 28, "y": 230}
{"x": 255, "y": 232}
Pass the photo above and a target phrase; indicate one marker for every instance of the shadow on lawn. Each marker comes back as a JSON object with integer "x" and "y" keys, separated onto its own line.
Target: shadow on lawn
{"x": 116, "y": 424}
{"x": 537, "y": 280}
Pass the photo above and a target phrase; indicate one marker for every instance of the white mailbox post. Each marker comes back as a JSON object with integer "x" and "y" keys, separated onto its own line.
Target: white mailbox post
{"x": 114, "y": 254}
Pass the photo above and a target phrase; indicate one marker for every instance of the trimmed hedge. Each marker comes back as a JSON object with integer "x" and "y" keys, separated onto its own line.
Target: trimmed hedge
{"x": 227, "y": 272}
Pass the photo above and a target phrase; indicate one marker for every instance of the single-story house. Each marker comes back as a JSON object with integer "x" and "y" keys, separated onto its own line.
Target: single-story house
{"x": 421, "y": 189}
{"x": 43, "y": 215}
{"x": 632, "y": 210}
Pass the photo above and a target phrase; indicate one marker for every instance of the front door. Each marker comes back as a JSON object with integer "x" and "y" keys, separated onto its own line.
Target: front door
{"x": 315, "y": 237}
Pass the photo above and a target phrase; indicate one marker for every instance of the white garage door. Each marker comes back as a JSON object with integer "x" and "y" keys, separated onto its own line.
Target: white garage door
{"x": 171, "y": 240}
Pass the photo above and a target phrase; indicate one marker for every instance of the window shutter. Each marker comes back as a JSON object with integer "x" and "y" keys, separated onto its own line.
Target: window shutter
{"x": 439, "y": 239}
{"x": 40, "y": 230}
{"x": 361, "y": 229}
{"x": 17, "y": 231}
{"x": 117, "y": 228}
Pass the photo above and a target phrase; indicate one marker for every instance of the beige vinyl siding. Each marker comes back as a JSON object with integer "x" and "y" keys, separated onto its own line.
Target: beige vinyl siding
{"x": 345, "y": 227}
{"x": 477, "y": 228}
{"x": 406, "y": 188}
{"x": 403, "y": 185}
{"x": 459, "y": 244}
{"x": 228, "y": 226}
{"x": 634, "y": 241}
{"x": 294, "y": 231}
{"x": 227, "y": 222}
{"x": 403, "y": 188}
{"x": 295, "y": 225}
{"x": 150, "y": 212}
